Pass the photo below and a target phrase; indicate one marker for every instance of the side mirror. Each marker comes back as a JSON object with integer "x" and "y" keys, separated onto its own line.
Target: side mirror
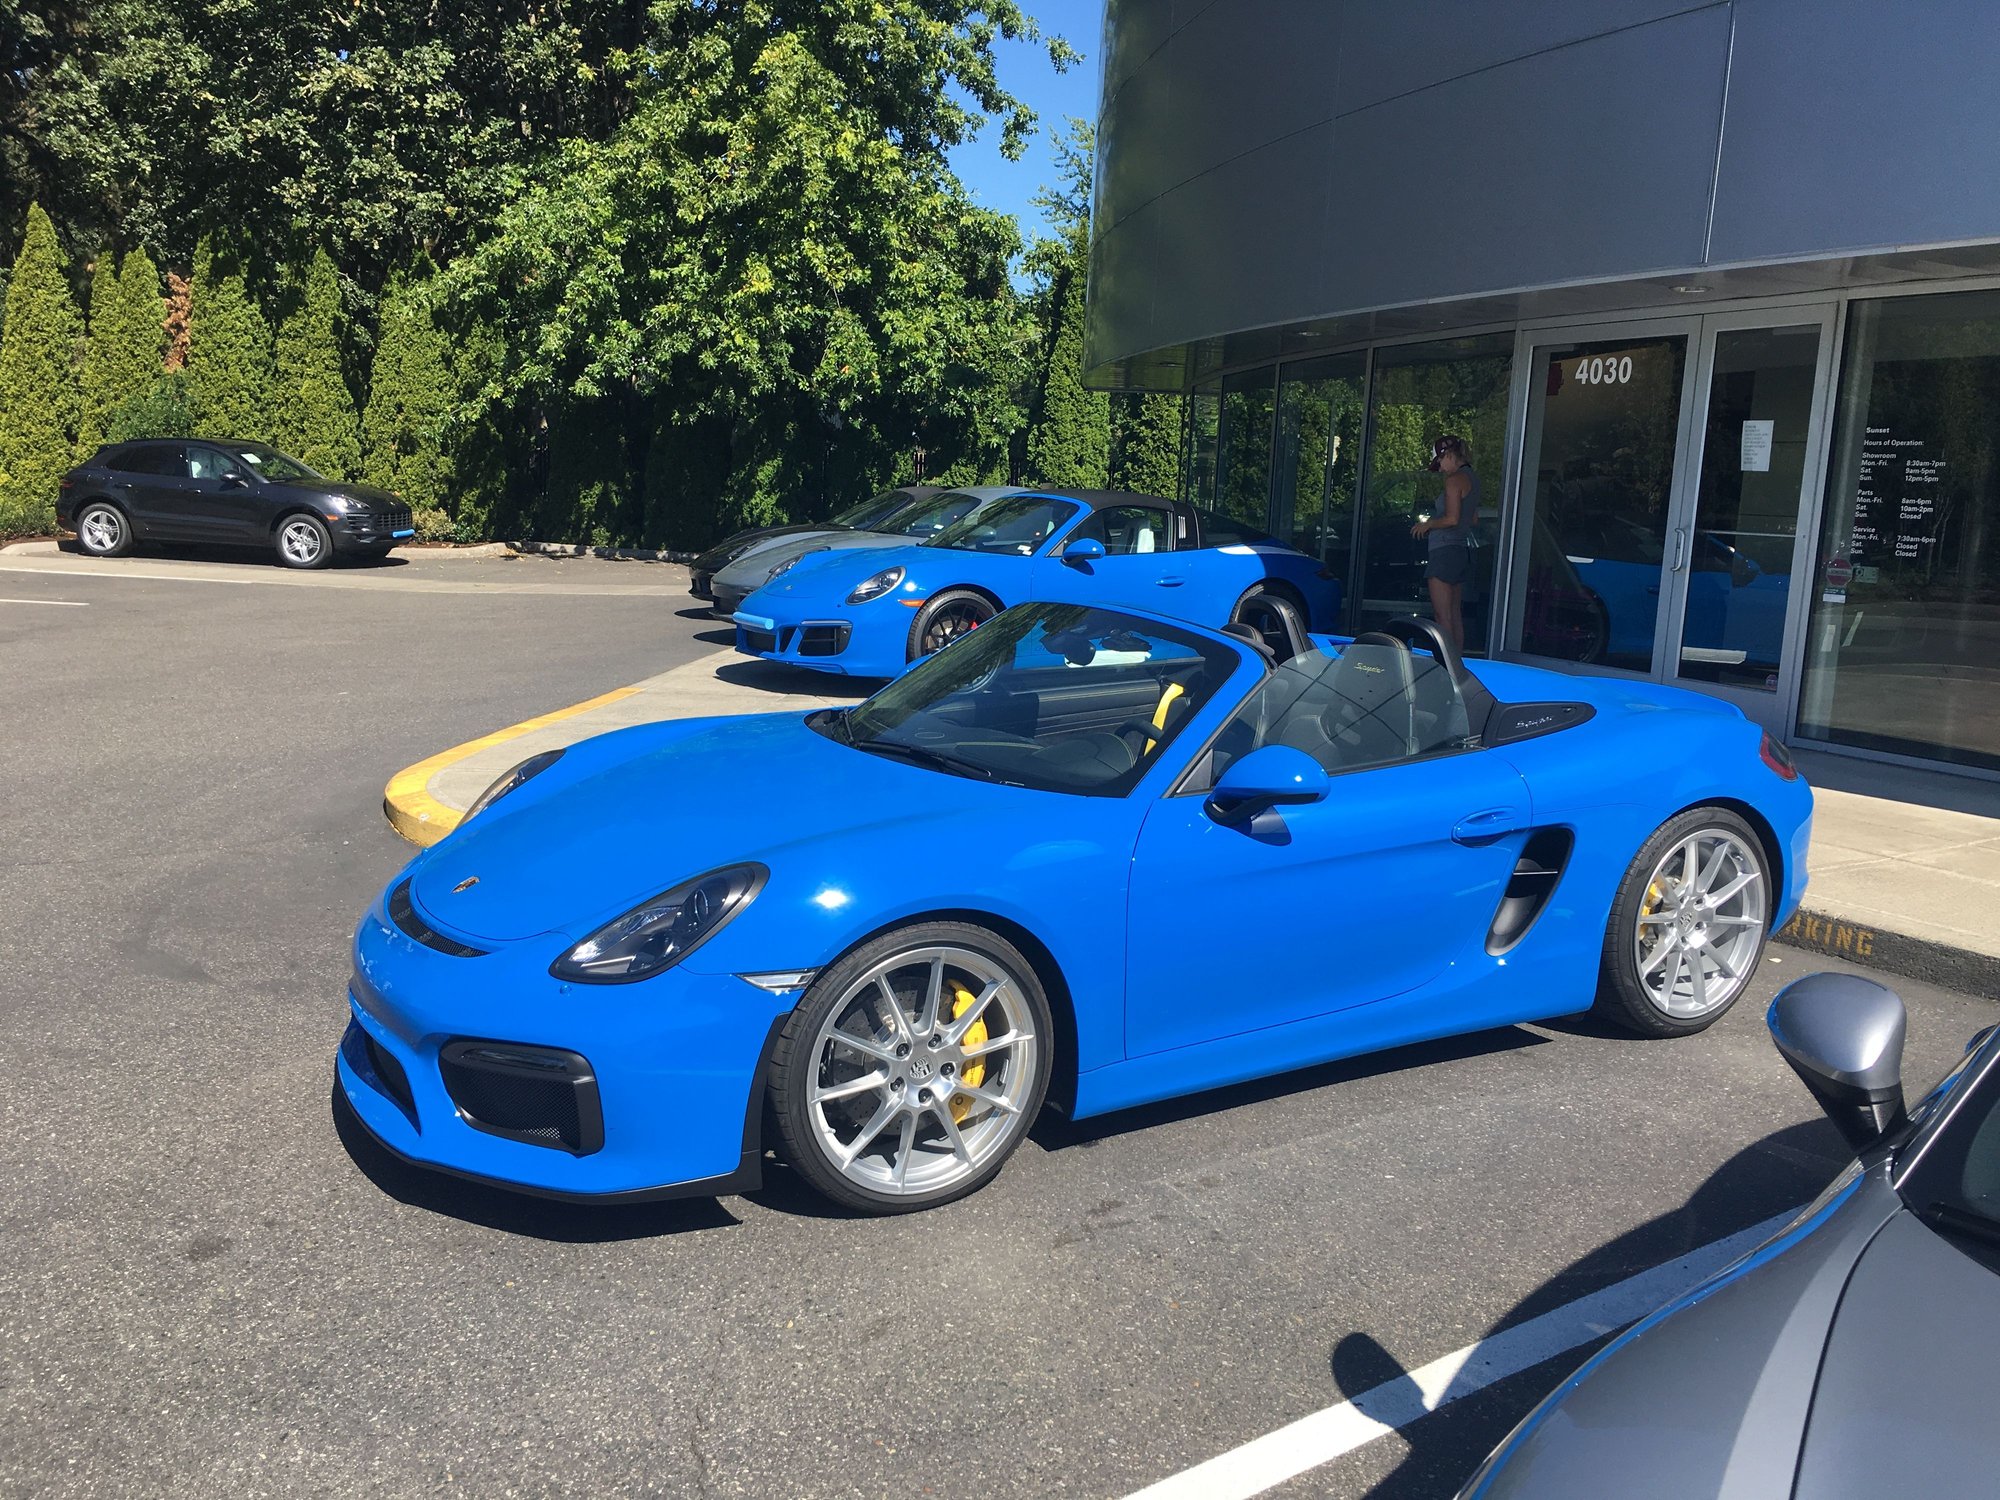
{"x": 1084, "y": 549}
{"x": 235, "y": 482}
{"x": 1843, "y": 1036}
{"x": 1275, "y": 776}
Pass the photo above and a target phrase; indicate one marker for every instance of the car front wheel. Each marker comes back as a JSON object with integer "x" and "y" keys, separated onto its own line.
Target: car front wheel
{"x": 1688, "y": 928}
{"x": 103, "y": 531}
{"x": 945, "y": 618}
{"x": 912, "y": 1068}
{"x": 303, "y": 542}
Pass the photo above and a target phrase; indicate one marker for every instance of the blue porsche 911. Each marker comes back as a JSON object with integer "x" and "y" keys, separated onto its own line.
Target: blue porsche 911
{"x": 1081, "y": 857}
{"x": 871, "y": 614}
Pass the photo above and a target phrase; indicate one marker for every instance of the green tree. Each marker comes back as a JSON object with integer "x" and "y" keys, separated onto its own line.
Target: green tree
{"x": 1149, "y": 445}
{"x": 412, "y": 396}
{"x": 312, "y": 411}
{"x": 122, "y": 360}
{"x": 40, "y": 396}
{"x": 229, "y": 368}
{"x": 1070, "y": 441}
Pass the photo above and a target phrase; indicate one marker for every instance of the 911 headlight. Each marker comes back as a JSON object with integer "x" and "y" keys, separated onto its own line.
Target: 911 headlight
{"x": 657, "y": 934}
{"x": 876, "y": 586}
{"x": 525, "y": 772}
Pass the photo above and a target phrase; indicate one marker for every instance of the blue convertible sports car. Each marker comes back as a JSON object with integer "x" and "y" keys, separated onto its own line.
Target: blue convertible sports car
{"x": 1082, "y": 856}
{"x": 871, "y": 614}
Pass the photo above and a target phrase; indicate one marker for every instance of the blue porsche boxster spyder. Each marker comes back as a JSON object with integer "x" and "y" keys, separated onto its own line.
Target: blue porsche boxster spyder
{"x": 1082, "y": 856}
{"x": 871, "y": 614}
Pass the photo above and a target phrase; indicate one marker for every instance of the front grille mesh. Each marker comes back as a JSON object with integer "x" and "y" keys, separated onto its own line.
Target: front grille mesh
{"x": 538, "y": 1095}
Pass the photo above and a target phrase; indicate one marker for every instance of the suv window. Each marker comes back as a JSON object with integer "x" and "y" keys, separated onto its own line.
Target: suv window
{"x": 151, "y": 458}
{"x": 212, "y": 463}
{"x": 1127, "y": 529}
{"x": 1371, "y": 703}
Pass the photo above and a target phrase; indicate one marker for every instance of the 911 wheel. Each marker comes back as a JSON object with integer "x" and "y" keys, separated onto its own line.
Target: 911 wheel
{"x": 1689, "y": 925}
{"x": 945, "y": 618}
{"x": 912, "y": 1068}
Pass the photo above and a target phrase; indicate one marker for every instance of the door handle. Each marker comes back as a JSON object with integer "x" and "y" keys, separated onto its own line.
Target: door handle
{"x": 1680, "y": 548}
{"x": 1495, "y": 823}
{"x": 1171, "y": 583}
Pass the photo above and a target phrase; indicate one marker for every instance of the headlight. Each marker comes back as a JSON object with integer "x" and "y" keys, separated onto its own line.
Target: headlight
{"x": 660, "y": 933}
{"x": 875, "y": 587}
{"x": 525, "y": 772}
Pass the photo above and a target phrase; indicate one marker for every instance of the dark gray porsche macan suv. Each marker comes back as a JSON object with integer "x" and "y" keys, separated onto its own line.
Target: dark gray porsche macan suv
{"x": 221, "y": 491}
{"x": 1853, "y": 1357}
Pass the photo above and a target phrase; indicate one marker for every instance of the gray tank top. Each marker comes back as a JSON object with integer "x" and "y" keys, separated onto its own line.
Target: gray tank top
{"x": 1468, "y": 513}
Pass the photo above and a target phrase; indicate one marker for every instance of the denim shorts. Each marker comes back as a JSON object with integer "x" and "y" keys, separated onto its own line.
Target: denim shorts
{"x": 1450, "y": 564}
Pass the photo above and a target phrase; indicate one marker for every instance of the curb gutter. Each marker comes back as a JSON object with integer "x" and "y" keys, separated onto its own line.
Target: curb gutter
{"x": 421, "y": 818}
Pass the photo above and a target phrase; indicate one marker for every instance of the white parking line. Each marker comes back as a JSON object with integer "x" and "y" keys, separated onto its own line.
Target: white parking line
{"x": 65, "y": 603}
{"x": 1327, "y": 1434}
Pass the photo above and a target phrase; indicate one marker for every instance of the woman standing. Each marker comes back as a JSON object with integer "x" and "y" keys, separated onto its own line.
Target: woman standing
{"x": 1450, "y": 534}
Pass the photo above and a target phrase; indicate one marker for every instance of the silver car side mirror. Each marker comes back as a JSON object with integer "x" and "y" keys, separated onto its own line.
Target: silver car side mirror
{"x": 1843, "y": 1036}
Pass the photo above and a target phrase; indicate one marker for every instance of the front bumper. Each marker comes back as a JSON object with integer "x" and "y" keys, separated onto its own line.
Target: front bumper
{"x": 865, "y": 642}
{"x": 369, "y": 531}
{"x": 677, "y": 1066}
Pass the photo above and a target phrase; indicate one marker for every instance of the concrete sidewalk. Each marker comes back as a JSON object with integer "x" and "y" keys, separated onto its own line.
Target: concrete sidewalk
{"x": 1905, "y": 863}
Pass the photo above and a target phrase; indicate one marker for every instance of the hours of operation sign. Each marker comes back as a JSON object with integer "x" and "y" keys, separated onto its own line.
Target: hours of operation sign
{"x": 1895, "y": 500}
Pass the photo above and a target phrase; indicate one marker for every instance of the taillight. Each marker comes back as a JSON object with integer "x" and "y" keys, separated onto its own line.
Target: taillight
{"x": 66, "y": 483}
{"x": 1778, "y": 758}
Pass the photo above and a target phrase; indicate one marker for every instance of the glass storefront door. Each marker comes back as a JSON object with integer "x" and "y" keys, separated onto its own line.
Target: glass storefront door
{"x": 1320, "y": 404}
{"x": 1604, "y": 428}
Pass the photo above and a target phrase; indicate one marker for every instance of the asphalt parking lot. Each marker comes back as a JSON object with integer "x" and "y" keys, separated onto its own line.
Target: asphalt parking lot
{"x": 207, "y": 1289}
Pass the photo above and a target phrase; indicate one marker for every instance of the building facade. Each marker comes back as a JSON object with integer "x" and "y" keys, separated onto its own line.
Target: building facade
{"x": 1711, "y": 290}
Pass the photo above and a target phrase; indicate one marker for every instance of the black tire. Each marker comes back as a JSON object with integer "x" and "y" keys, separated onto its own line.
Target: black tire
{"x": 103, "y": 530}
{"x": 302, "y": 541}
{"x": 944, "y": 618}
{"x": 1274, "y": 613}
{"x": 797, "y": 1063}
{"x": 1624, "y": 994}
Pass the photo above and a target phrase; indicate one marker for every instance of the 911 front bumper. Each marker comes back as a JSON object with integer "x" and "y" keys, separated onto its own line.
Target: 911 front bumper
{"x": 487, "y": 1067}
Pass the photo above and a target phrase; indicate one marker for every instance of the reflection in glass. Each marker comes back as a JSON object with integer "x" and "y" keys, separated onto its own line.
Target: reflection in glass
{"x": 1422, "y": 391}
{"x": 1204, "y": 428}
{"x": 1603, "y": 420}
{"x": 1319, "y": 438}
{"x": 1753, "y": 464}
{"x": 1905, "y": 634}
{"x": 1243, "y": 452}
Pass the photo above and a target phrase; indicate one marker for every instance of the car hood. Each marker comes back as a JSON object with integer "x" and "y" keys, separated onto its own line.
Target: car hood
{"x": 753, "y": 568}
{"x": 1711, "y": 1398}
{"x": 1904, "y": 1403}
{"x": 667, "y": 802}
{"x": 734, "y": 544}
{"x": 825, "y": 582}
{"x": 360, "y": 494}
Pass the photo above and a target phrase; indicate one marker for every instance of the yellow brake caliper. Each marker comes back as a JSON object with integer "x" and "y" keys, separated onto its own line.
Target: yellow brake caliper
{"x": 974, "y": 1072}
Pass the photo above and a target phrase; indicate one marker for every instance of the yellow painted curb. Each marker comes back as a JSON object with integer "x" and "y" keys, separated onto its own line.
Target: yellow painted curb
{"x": 420, "y": 817}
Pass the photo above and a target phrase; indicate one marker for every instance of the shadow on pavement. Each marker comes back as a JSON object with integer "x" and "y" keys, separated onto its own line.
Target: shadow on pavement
{"x": 1781, "y": 1171}
{"x": 1054, "y": 1132}
{"x": 246, "y": 555}
{"x": 771, "y": 677}
{"x": 517, "y": 1213}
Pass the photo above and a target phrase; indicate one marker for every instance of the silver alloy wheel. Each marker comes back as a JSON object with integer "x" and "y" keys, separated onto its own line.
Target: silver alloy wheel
{"x": 102, "y": 529}
{"x": 300, "y": 540}
{"x": 1700, "y": 925}
{"x": 905, "y": 1095}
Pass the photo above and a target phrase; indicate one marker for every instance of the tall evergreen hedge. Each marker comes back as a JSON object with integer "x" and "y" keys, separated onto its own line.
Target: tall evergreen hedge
{"x": 122, "y": 365}
{"x": 1069, "y": 443}
{"x": 229, "y": 367}
{"x": 1149, "y": 446}
{"x": 41, "y": 398}
{"x": 411, "y": 394}
{"x": 313, "y": 416}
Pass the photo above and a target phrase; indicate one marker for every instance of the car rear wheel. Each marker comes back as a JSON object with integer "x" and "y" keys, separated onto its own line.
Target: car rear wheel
{"x": 912, "y": 1068}
{"x": 1689, "y": 925}
{"x": 103, "y": 531}
{"x": 945, "y": 618}
{"x": 303, "y": 542}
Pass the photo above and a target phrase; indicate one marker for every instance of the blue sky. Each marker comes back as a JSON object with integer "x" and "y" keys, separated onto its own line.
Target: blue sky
{"x": 1026, "y": 73}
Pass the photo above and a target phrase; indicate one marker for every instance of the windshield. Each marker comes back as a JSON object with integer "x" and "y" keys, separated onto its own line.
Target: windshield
{"x": 1955, "y": 1183}
{"x": 928, "y": 517}
{"x": 1059, "y": 697}
{"x": 269, "y": 463}
{"x": 1017, "y": 525}
{"x": 875, "y": 508}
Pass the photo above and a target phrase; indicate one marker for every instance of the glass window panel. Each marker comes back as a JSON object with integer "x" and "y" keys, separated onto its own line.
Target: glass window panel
{"x": 1603, "y": 421}
{"x": 1905, "y": 624}
{"x": 1319, "y": 440}
{"x": 1243, "y": 456}
{"x": 1422, "y": 391}
{"x": 1746, "y": 523}
{"x": 1204, "y": 432}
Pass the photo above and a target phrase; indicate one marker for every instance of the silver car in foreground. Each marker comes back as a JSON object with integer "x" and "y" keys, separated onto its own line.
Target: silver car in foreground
{"x": 1857, "y": 1354}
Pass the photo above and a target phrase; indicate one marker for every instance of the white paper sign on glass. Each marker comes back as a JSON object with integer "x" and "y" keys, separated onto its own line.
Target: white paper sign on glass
{"x": 1757, "y": 445}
